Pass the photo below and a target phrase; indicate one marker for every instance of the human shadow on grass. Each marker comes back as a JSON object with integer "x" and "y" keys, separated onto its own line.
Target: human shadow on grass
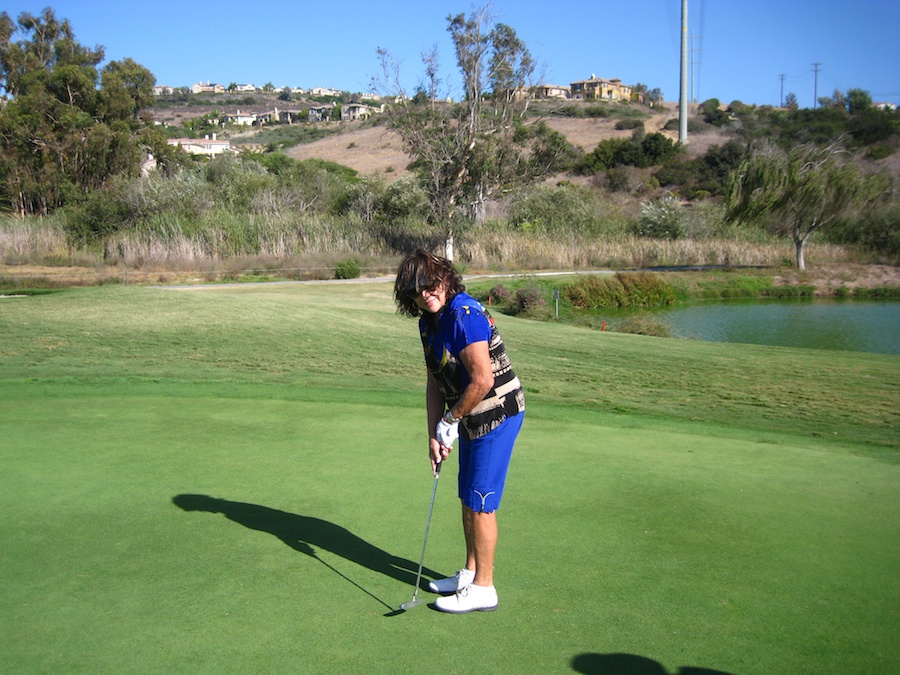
{"x": 630, "y": 664}
{"x": 305, "y": 534}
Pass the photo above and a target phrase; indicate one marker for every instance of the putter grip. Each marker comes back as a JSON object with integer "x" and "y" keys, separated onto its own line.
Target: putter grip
{"x": 437, "y": 468}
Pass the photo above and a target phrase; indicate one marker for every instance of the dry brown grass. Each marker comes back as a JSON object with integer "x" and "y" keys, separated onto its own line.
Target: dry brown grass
{"x": 370, "y": 151}
{"x": 378, "y": 151}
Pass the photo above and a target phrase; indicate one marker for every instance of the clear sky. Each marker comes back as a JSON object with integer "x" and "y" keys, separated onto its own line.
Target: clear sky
{"x": 740, "y": 47}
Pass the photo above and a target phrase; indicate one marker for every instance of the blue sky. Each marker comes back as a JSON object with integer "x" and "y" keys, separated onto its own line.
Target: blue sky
{"x": 741, "y": 47}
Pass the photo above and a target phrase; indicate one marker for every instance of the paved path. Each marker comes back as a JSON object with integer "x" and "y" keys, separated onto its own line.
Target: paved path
{"x": 368, "y": 280}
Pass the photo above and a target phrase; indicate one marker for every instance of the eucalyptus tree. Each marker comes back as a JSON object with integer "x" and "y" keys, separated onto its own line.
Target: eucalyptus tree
{"x": 464, "y": 153}
{"x": 66, "y": 126}
{"x": 799, "y": 191}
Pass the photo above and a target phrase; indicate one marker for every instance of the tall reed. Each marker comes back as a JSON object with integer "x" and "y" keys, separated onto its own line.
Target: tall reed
{"x": 168, "y": 238}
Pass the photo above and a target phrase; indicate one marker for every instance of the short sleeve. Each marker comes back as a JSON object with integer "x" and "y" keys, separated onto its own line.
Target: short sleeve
{"x": 470, "y": 325}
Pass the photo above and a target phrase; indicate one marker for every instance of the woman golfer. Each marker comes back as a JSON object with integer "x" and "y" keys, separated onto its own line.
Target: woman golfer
{"x": 472, "y": 394}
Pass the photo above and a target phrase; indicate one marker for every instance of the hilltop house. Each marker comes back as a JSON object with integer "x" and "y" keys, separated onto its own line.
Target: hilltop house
{"x": 288, "y": 116}
{"x": 210, "y": 147}
{"x": 320, "y": 113}
{"x": 207, "y": 88}
{"x": 601, "y": 89}
{"x": 324, "y": 91}
{"x": 357, "y": 111}
{"x": 552, "y": 91}
{"x": 240, "y": 119}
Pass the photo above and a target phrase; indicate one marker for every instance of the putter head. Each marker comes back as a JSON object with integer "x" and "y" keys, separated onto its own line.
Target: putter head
{"x": 415, "y": 602}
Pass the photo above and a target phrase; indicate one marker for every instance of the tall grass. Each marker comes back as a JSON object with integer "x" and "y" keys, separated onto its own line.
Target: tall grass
{"x": 170, "y": 238}
{"x": 35, "y": 240}
{"x": 641, "y": 289}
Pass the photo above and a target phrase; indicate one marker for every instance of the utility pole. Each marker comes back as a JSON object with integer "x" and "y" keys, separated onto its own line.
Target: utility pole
{"x": 781, "y": 77}
{"x": 816, "y": 85}
{"x": 683, "y": 94}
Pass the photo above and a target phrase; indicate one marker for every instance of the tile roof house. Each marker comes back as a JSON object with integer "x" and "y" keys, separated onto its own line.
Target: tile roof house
{"x": 321, "y": 113}
{"x": 357, "y": 111}
{"x": 601, "y": 89}
{"x": 207, "y": 88}
{"x": 241, "y": 119}
{"x": 550, "y": 91}
{"x": 210, "y": 147}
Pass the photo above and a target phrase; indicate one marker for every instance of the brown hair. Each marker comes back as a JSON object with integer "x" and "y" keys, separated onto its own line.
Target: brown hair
{"x": 419, "y": 270}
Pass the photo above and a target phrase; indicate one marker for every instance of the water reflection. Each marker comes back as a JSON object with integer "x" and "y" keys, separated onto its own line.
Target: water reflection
{"x": 851, "y": 325}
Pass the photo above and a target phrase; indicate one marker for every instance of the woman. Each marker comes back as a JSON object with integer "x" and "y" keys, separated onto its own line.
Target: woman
{"x": 472, "y": 393}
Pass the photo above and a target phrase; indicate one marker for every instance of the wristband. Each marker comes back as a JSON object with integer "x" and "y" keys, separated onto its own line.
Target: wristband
{"x": 450, "y": 419}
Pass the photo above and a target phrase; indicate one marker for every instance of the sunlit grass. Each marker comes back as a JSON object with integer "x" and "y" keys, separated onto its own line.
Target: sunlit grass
{"x": 693, "y": 504}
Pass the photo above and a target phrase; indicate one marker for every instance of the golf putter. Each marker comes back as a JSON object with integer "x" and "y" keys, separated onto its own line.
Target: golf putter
{"x": 416, "y": 600}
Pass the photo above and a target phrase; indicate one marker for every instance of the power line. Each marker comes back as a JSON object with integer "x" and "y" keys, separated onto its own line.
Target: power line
{"x": 695, "y": 66}
{"x": 702, "y": 33}
{"x": 816, "y": 85}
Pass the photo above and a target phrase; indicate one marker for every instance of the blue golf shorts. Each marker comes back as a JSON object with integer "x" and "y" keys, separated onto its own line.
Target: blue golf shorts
{"x": 483, "y": 464}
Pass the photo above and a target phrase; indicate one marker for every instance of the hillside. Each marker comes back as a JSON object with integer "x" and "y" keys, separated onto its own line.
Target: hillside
{"x": 377, "y": 150}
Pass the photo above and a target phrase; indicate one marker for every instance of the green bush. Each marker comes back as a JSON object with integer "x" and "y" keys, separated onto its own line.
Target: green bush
{"x": 629, "y": 123}
{"x": 643, "y": 324}
{"x": 641, "y": 150}
{"x": 879, "y": 293}
{"x": 104, "y": 213}
{"x": 876, "y": 230}
{"x": 347, "y": 269}
{"x": 708, "y": 173}
{"x": 562, "y": 208}
{"x": 625, "y": 289}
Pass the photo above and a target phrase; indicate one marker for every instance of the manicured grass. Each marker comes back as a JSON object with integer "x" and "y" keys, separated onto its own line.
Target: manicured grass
{"x": 234, "y": 480}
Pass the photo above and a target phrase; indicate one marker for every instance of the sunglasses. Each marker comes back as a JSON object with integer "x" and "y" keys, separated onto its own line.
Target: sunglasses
{"x": 420, "y": 283}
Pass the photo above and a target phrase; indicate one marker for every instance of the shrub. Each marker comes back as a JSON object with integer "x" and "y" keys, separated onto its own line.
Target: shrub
{"x": 103, "y": 214}
{"x": 625, "y": 289}
{"x": 603, "y": 157}
{"x": 641, "y": 150}
{"x": 499, "y": 293}
{"x": 643, "y": 324}
{"x": 661, "y": 219}
{"x": 529, "y": 300}
{"x": 629, "y": 123}
{"x": 877, "y": 230}
{"x": 879, "y": 293}
{"x": 347, "y": 269}
{"x": 627, "y": 179}
{"x": 555, "y": 208}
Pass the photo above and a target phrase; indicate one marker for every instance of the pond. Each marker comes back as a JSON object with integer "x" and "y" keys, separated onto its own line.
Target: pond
{"x": 851, "y": 325}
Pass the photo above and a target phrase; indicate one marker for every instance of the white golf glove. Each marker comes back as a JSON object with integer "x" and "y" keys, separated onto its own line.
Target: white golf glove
{"x": 447, "y": 431}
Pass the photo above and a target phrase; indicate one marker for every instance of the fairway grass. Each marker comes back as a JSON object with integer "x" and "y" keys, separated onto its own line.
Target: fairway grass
{"x": 234, "y": 480}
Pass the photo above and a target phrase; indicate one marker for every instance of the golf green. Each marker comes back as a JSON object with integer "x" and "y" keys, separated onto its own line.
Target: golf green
{"x": 235, "y": 480}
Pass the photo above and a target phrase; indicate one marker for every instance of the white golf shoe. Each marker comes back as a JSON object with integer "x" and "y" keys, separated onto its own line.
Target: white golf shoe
{"x": 452, "y": 584}
{"x": 472, "y": 598}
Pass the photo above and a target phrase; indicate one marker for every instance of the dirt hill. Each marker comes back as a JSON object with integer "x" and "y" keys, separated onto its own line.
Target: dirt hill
{"x": 377, "y": 150}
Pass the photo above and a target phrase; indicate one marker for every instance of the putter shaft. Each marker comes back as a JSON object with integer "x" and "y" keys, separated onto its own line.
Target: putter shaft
{"x": 415, "y": 601}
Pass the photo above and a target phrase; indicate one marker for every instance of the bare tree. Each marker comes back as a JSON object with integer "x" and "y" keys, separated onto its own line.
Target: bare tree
{"x": 464, "y": 152}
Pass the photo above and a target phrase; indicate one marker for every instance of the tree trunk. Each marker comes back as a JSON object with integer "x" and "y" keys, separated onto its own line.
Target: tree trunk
{"x": 480, "y": 206}
{"x": 448, "y": 246}
{"x": 798, "y": 245}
